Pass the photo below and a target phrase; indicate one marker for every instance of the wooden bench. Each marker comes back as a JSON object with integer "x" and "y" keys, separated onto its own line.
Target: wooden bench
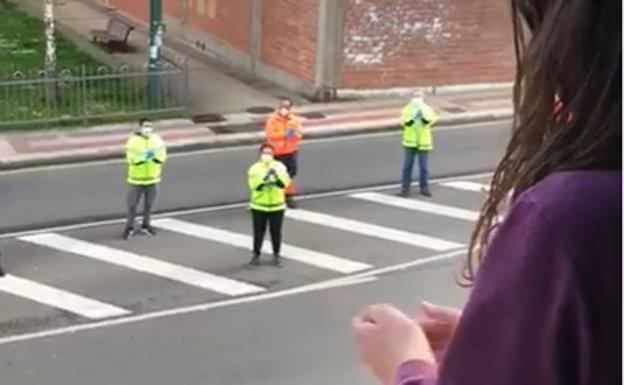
{"x": 115, "y": 36}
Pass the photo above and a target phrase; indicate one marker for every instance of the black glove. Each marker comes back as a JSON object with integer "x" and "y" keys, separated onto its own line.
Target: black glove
{"x": 268, "y": 175}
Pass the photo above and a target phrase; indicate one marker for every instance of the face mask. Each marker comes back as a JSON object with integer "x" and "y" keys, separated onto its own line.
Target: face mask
{"x": 284, "y": 111}
{"x": 266, "y": 158}
{"x": 146, "y": 130}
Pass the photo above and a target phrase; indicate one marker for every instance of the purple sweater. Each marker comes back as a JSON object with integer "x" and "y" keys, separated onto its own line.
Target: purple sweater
{"x": 546, "y": 306}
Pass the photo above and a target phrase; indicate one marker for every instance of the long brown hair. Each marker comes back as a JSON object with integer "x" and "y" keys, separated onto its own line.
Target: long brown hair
{"x": 574, "y": 54}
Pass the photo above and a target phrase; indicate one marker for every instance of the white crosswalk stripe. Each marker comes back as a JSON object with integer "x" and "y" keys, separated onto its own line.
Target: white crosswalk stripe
{"x": 467, "y": 186}
{"x": 321, "y": 260}
{"x": 418, "y": 205}
{"x": 372, "y": 230}
{"x": 337, "y": 258}
{"x": 144, "y": 264}
{"x": 61, "y": 299}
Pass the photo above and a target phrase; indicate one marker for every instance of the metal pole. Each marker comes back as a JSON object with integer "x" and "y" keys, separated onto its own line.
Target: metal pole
{"x": 50, "y": 55}
{"x": 1, "y": 269}
{"x": 156, "y": 40}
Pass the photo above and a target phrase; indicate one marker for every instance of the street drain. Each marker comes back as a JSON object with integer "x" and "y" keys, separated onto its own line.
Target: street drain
{"x": 260, "y": 110}
{"x": 220, "y": 130}
{"x": 313, "y": 115}
{"x": 208, "y": 118}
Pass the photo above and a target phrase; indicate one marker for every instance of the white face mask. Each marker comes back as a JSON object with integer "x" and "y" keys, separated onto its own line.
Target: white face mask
{"x": 146, "y": 130}
{"x": 284, "y": 111}
{"x": 266, "y": 158}
{"x": 417, "y": 100}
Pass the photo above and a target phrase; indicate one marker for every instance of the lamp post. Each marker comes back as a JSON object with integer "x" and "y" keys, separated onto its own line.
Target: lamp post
{"x": 156, "y": 40}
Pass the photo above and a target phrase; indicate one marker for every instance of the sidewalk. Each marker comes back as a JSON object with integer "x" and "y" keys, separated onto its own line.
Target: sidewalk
{"x": 319, "y": 120}
{"x": 212, "y": 88}
{"x": 228, "y": 110}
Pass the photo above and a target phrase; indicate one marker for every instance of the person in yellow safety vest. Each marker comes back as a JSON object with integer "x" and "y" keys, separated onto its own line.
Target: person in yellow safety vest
{"x": 146, "y": 154}
{"x": 417, "y": 119}
{"x": 267, "y": 180}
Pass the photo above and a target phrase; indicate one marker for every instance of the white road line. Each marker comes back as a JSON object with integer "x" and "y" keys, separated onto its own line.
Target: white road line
{"x": 371, "y": 230}
{"x": 314, "y": 287}
{"x": 201, "y": 210}
{"x": 144, "y": 264}
{"x": 310, "y": 257}
{"x": 418, "y": 205}
{"x": 58, "y": 298}
{"x": 467, "y": 186}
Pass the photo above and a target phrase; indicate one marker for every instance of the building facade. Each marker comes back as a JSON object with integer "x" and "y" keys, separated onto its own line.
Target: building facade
{"x": 319, "y": 46}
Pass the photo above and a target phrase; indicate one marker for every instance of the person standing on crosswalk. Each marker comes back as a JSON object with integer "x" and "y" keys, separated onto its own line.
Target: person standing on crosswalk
{"x": 267, "y": 181}
{"x": 283, "y": 132}
{"x": 146, "y": 154}
{"x": 417, "y": 119}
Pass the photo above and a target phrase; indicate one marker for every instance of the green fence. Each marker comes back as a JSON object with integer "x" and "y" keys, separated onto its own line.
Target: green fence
{"x": 83, "y": 95}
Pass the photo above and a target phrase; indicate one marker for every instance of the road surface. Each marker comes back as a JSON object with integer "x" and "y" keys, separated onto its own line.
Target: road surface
{"x": 48, "y": 196}
{"x": 82, "y": 306}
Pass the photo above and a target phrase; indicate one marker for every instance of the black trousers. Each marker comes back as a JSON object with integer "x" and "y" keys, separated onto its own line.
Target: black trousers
{"x": 260, "y": 221}
{"x": 290, "y": 161}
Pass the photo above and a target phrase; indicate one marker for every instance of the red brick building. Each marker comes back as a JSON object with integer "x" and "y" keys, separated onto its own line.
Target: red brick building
{"x": 321, "y": 45}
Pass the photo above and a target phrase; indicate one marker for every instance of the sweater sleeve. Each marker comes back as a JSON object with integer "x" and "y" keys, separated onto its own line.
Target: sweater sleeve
{"x": 524, "y": 322}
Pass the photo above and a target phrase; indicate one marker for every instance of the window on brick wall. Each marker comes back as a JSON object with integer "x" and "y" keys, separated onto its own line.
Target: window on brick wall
{"x": 201, "y": 7}
{"x": 207, "y": 8}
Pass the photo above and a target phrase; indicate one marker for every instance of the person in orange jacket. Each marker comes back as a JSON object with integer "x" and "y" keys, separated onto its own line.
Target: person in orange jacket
{"x": 283, "y": 133}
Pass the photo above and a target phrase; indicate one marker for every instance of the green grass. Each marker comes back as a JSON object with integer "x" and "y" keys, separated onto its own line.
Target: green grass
{"x": 22, "y": 44}
{"x": 22, "y": 50}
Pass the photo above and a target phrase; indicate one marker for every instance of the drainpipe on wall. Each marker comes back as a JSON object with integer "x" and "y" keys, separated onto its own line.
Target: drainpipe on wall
{"x": 328, "y": 49}
{"x": 256, "y": 35}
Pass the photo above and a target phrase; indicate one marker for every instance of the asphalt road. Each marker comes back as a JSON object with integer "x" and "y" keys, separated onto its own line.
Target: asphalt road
{"x": 82, "y": 306}
{"x": 296, "y": 330}
{"x": 303, "y": 339}
{"x": 60, "y": 195}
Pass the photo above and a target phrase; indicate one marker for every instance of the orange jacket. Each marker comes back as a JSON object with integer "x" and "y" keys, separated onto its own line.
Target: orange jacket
{"x": 275, "y": 132}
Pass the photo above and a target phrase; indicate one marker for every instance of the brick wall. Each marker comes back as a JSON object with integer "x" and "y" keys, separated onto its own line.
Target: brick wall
{"x": 229, "y": 21}
{"x": 137, "y": 9}
{"x": 385, "y": 43}
{"x": 173, "y": 8}
{"x": 389, "y": 43}
{"x": 289, "y": 32}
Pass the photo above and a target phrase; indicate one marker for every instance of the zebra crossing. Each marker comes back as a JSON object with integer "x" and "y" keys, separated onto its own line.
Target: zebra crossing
{"x": 197, "y": 254}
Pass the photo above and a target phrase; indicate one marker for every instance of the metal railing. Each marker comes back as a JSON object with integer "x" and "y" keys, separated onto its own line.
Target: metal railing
{"x": 83, "y": 95}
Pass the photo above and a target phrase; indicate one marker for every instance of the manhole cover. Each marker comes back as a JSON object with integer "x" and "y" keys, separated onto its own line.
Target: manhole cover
{"x": 313, "y": 115}
{"x": 260, "y": 110}
{"x": 208, "y": 118}
{"x": 221, "y": 130}
{"x": 454, "y": 110}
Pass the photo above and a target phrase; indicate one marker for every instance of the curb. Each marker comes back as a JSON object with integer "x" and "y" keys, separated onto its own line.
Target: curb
{"x": 244, "y": 139}
{"x": 434, "y": 90}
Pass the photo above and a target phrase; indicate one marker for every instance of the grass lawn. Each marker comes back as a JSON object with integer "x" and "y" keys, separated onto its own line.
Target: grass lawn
{"x": 22, "y": 49}
{"x": 22, "y": 44}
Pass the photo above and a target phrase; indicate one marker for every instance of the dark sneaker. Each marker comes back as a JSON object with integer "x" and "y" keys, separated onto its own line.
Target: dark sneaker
{"x": 403, "y": 194}
{"x": 149, "y": 231}
{"x": 290, "y": 203}
{"x": 425, "y": 192}
{"x": 128, "y": 233}
{"x": 277, "y": 261}
{"x": 255, "y": 261}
